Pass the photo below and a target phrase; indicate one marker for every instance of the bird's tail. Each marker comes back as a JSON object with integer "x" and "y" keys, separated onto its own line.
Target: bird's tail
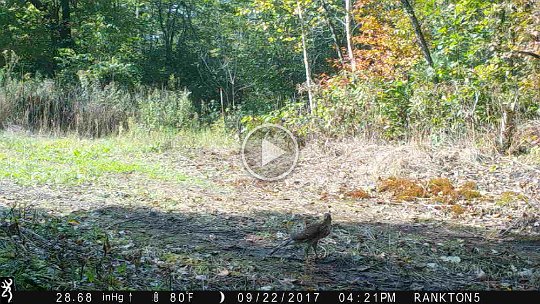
{"x": 287, "y": 242}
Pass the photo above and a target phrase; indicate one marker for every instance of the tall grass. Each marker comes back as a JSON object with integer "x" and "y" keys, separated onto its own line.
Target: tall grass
{"x": 88, "y": 108}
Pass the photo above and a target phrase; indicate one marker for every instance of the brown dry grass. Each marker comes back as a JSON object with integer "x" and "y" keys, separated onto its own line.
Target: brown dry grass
{"x": 402, "y": 189}
{"x": 469, "y": 191}
{"x": 440, "y": 186}
{"x": 358, "y": 194}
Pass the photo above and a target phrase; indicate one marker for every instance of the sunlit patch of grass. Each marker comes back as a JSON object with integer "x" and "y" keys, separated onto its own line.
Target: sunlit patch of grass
{"x": 509, "y": 197}
{"x": 73, "y": 161}
{"x": 212, "y": 138}
{"x": 533, "y": 157}
{"x": 215, "y": 137}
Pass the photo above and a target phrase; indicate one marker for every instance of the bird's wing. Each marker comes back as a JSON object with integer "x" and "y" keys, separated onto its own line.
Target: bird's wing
{"x": 309, "y": 233}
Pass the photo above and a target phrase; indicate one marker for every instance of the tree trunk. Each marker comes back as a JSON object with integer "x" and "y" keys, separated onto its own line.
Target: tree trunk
{"x": 508, "y": 126}
{"x": 64, "y": 30}
{"x": 306, "y": 60}
{"x": 167, "y": 24}
{"x": 418, "y": 31}
{"x": 332, "y": 31}
{"x": 350, "y": 52}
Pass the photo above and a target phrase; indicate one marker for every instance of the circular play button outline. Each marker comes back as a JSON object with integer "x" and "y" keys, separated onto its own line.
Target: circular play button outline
{"x": 266, "y": 160}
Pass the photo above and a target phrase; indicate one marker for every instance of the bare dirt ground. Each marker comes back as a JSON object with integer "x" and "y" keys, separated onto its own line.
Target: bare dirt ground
{"x": 217, "y": 230}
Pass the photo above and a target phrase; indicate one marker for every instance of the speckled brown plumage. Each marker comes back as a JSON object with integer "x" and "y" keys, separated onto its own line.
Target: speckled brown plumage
{"x": 310, "y": 235}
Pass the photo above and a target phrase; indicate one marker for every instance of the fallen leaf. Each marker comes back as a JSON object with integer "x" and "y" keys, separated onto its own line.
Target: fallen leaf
{"x": 73, "y": 222}
{"x": 480, "y": 275}
{"x": 200, "y": 277}
{"x": 526, "y": 273}
{"x": 363, "y": 268}
{"x": 451, "y": 259}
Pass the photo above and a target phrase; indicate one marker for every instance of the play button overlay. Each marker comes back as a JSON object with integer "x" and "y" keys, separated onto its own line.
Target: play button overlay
{"x": 269, "y": 152}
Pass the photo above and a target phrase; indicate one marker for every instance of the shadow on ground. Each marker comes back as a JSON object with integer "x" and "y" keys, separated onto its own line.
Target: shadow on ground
{"x": 141, "y": 249}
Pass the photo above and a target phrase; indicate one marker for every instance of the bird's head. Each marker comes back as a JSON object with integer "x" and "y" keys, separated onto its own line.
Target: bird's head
{"x": 327, "y": 217}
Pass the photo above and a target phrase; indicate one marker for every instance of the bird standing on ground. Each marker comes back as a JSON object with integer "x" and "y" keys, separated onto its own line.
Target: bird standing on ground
{"x": 310, "y": 235}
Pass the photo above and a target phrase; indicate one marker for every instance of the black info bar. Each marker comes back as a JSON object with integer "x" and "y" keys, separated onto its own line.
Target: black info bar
{"x": 218, "y": 297}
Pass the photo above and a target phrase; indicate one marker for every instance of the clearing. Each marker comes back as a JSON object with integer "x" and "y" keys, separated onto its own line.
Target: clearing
{"x": 179, "y": 212}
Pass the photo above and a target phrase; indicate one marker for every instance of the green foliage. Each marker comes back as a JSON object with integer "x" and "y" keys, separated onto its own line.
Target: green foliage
{"x": 477, "y": 73}
{"x": 168, "y": 109}
{"x": 394, "y": 108}
{"x": 61, "y": 250}
{"x": 75, "y": 66}
{"x": 292, "y": 116}
{"x": 215, "y": 49}
{"x": 115, "y": 60}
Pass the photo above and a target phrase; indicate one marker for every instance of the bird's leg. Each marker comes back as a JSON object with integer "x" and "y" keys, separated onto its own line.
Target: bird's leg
{"x": 306, "y": 251}
{"x": 314, "y": 245}
{"x": 306, "y": 254}
{"x": 325, "y": 254}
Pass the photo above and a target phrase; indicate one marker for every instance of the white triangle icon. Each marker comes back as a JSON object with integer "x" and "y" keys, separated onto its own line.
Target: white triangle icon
{"x": 270, "y": 152}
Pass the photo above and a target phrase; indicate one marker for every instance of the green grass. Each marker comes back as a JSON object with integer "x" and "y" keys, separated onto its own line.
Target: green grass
{"x": 72, "y": 160}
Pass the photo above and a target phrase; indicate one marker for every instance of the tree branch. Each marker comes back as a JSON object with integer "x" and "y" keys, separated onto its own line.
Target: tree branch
{"x": 332, "y": 31}
{"x": 534, "y": 55}
{"x": 418, "y": 31}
